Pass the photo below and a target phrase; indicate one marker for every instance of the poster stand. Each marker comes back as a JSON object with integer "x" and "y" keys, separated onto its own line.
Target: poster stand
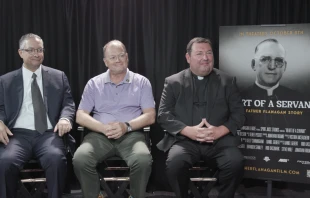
{"x": 268, "y": 181}
{"x": 269, "y": 188}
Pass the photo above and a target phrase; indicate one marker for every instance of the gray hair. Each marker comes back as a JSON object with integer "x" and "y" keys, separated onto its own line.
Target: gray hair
{"x": 26, "y": 37}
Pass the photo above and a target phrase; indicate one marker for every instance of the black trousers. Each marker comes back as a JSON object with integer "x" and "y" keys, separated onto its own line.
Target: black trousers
{"x": 183, "y": 154}
{"x": 25, "y": 144}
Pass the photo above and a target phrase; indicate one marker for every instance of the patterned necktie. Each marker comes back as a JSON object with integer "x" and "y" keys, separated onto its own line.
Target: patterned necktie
{"x": 40, "y": 121}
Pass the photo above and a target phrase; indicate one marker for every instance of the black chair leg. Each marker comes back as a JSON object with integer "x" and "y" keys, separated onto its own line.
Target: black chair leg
{"x": 36, "y": 190}
{"x": 209, "y": 186}
{"x": 194, "y": 190}
{"x": 105, "y": 187}
{"x": 23, "y": 192}
{"x": 121, "y": 189}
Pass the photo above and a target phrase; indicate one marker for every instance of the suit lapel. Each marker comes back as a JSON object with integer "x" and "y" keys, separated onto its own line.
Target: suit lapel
{"x": 212, "y": 89}
{"x": 188, "y": 91}
{"x": 45, "y": 80}
{"x": 19, "y": 84}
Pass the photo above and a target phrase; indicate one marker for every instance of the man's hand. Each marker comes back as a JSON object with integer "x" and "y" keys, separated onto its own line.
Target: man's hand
{"x": 192, "y": 131}
{"x": 4, "y": 132}
{"x": 210, "y": 133}
{"x": 116, "y": 130}
{"x": 63, "y": 126}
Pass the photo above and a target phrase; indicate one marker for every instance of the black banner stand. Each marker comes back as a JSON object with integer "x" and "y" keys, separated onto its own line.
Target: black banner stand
{"x": 269, "y": 188}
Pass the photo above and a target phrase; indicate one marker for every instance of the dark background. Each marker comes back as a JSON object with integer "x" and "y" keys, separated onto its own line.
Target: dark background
{"x": 155, "y": 33}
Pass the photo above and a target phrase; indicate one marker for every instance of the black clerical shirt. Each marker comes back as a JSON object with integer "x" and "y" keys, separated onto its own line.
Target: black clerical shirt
{"x": 200, "y": 98}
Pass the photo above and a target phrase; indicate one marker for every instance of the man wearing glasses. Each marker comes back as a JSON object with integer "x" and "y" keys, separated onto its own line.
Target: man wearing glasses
{"x": 121, "y": 103}
{"x": 36, "y": 110}
{"x": 269, "y": 64}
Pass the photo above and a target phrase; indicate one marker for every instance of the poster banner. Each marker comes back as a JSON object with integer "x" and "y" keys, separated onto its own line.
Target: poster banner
{"x": 272, "y": 67}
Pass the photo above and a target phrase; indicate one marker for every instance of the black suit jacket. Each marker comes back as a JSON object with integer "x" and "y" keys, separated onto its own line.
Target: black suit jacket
{"x": 224, "y": 107}
{"x": 56, "y": 91}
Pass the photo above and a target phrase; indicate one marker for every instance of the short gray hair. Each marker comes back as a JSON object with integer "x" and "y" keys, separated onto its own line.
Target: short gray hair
{"x": 26, "y": 37}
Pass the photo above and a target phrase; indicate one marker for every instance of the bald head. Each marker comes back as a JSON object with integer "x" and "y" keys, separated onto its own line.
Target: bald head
{"x": 115, "y": 43}
{"x": 116, "y": 58}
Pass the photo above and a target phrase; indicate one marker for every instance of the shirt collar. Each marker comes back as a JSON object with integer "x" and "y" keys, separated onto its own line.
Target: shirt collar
{"x": 28, "y": 74}
{"x": 199, "y": 78}
{"x": 127, "y": 79}
{"x": 268, "y": 89}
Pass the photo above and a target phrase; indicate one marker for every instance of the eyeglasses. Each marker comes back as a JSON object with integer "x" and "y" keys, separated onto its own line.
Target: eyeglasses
{"x": 278, "y": 61}
{"x": 121, "y": 56}
{"x": 200, "y": 54}
{"x": 32, "y": 51}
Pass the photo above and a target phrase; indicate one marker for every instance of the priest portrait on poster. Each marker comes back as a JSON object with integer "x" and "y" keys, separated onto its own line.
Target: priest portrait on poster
{"x": 271, "y": 64}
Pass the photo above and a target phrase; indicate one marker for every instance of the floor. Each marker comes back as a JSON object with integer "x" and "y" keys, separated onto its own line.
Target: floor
{"x": 279, "y": 190}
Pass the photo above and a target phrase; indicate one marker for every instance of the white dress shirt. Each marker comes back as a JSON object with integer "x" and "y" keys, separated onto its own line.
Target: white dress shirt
{"x": 25, "y": 118}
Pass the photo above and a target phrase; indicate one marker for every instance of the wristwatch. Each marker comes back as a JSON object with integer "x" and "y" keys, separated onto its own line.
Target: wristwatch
{"x": 128, "y": 127}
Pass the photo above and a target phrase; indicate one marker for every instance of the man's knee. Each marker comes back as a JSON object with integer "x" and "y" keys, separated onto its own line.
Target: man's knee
{"x": 176, "y": 165}
{"x": 8, "y": 168}
{"x": 238, "y": 161}
{"x": 54, "y": 159}
{"x": 143, "y": 161}
{"x": 81, "y": 159}
{"x": 235, "y": 160}
{"x": 7, "y": 163}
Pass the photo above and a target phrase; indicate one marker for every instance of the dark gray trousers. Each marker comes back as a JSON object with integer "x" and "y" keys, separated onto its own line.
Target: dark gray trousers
{"x": 184, "y": 154}
{"x": 25, "y": 144}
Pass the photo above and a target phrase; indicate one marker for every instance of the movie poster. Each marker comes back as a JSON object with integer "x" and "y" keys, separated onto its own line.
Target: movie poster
{"x": 272, "y": 67}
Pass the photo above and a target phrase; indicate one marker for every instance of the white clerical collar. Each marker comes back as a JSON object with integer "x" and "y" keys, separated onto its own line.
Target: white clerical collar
{"x": 200, "y": 77}
{"x": 268, "y": 89}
